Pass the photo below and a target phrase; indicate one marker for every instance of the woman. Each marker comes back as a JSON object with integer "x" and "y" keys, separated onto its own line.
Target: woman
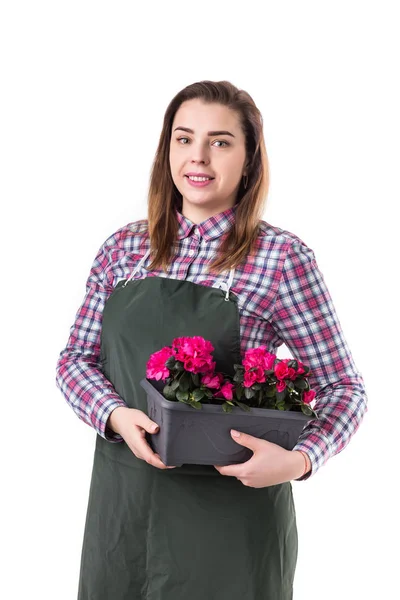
{"x": 153, "y": 531}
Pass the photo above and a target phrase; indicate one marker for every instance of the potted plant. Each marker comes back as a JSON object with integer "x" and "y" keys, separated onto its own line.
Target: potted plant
{"x": 196, "y": 407}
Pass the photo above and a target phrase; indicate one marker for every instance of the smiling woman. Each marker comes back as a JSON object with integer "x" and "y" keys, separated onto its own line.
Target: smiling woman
{"x": 203, "y": 263}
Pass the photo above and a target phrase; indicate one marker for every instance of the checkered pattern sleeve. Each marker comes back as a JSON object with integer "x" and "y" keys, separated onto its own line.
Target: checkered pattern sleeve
{"x": 304, "y": 318}
{"x": 87, "y": 391}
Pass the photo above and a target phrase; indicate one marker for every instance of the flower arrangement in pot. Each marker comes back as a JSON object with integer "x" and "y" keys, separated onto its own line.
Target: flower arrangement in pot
{"x": 267, "y": 397}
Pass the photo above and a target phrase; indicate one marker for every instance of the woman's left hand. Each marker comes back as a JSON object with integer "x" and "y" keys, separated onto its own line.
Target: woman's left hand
{"x": 270, "y": 464}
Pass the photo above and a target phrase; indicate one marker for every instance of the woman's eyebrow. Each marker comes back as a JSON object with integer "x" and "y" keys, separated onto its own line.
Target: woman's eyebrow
{"x": 209, "y": 133}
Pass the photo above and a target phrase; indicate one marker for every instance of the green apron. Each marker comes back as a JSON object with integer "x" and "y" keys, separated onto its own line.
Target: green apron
{"x": 188, "y": 533}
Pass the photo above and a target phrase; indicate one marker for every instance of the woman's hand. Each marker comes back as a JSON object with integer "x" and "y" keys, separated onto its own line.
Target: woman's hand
{"x": 132, "y": 425}
{"x": 270, "y": 464}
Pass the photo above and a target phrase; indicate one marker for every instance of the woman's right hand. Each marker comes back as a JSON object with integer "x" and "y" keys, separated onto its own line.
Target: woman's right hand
{"x": 132, "y": 424}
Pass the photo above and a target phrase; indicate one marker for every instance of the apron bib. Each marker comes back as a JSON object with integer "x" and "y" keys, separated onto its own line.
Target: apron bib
{"x": 187, "y": 533}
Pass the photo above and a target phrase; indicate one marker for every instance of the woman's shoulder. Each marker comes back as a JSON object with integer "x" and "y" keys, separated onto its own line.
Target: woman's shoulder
{"x": 128, "y": 237}
{"x": 140, "y": 226}
{"x": 131, "y": 229}
{"x": 272, "y": 234}
{"x": 283, "y": 242}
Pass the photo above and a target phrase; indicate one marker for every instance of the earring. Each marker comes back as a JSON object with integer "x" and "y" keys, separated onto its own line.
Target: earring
{"x": 245, "y": 182}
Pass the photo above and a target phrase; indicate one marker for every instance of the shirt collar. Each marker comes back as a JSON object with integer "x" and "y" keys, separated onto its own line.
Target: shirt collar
{"x": 209, "y": 229}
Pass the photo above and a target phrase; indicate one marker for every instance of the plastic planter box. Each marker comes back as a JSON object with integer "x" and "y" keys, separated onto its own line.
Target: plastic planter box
{"x": 202, "y": 436}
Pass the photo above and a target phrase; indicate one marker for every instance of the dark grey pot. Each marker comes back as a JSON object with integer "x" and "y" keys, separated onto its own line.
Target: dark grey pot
{"x": 202, "y": 436}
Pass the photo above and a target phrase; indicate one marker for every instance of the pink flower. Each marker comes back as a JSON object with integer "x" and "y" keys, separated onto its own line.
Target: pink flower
{"x": 300, "y": 368}
{"x": 194, "y": 352}
{"x": 280, "y": 386}
{"x": 256, "y": 361}
{"x": 269, "y": 360}
{"x": 258, "y": 357}
{"x": 156, "y": 368}
{"x": 292, "y": 373}
{"x": 281, "y": 370}
{"x": 250, "y": 377}
{"x": 192, "y": 346}
{"x": 212, "y": 380}
{"x": 197, "y": 364}
{"x": 226, "y": 391}
{"x": 309, "y": 396}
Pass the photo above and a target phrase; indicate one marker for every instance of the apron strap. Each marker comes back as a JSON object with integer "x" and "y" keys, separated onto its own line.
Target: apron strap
{"x": 227, "y": 284}
{"x": 224, "y": 284}
{"x": 138, "y": 266}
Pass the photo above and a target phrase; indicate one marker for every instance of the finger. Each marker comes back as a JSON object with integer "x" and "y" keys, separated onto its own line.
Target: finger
{"x": 142, "y": 420}
{"x": 245, "y": 439}
{"x": 156, "y": 462}
{"x": 139, "y": 446}
{"x": 164, "y": 463}
{"x": 152, "y": 458}
{"x": 149, "y": 456}
{"x": 230, "y": 470}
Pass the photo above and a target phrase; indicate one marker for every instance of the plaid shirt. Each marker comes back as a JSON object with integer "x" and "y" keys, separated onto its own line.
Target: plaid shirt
{"x": 282, "y": 297}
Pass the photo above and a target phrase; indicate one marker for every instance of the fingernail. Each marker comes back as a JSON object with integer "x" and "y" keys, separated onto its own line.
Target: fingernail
{"x": 235, "y": 434}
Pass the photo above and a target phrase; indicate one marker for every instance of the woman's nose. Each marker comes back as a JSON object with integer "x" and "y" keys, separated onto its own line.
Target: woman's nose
{"x": 200, "y": 154}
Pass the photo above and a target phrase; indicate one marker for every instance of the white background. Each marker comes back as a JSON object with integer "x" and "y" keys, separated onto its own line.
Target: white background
{"x": 84, "y": 87}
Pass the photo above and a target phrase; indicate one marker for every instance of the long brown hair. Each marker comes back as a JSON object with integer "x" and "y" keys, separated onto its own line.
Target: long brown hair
{"x": 164, "y": 197}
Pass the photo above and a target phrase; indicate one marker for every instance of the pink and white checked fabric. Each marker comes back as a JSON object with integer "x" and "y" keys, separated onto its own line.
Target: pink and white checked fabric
{"x": 282, "y": 298}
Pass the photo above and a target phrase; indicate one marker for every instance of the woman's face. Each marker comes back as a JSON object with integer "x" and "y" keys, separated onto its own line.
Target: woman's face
{"x": 207, "y": 139}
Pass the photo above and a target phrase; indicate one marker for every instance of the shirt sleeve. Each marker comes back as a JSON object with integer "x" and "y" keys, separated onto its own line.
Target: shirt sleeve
{"x": 88, "y": 392}
{"x": 305, "y": 319}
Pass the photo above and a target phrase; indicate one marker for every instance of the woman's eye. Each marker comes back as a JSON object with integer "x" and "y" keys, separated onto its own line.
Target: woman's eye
{"x": 219, "y": 141}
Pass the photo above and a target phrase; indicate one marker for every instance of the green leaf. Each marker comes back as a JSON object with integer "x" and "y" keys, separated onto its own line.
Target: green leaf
{"x": 175, "y": 384}
{"x": 182, "y": 396}
{"x": 195, "y": 404}
{"x": 170, "y": 363}
{"x": 227, "y": 407}
{"x": 238, "y": 377}
{"x": 280, "y": 396}
{"x": 248, "y": 392}
{"x": 243, "y": 406}
{"x": 209, "y": 393}
{"x": 239, "y": 392}
{"x": 169, "y": 393}
{"x": 198, "y": 395}
{"x": 307, "y": 410}
{"x": 185, "y": 381}
{"x": 196, "y": 379}
{"x": 301, "y": 384}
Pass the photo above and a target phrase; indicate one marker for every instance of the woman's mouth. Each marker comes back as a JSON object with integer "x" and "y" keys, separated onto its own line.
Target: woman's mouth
{"x": 198, "y": 181}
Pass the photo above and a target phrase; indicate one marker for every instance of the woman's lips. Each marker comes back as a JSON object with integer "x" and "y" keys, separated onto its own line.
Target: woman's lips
{"x": 199, "y": 183}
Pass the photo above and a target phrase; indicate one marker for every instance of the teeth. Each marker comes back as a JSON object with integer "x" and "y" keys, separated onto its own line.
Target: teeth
{"x": 199, "y": 178}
